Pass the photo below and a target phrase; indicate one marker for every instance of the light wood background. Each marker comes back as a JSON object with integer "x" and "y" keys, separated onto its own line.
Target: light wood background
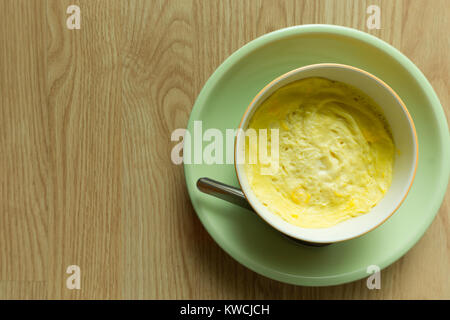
{"x": 85, "y": 123}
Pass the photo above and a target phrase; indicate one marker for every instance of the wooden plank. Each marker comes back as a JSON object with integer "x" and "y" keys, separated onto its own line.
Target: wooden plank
{"x": 85, "y": 96}
{"x": 23, "y": 290}
{"x": 24, "y": 141}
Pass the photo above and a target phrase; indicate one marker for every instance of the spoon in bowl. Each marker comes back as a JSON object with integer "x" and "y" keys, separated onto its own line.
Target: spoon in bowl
{"x": 236, "y": 196}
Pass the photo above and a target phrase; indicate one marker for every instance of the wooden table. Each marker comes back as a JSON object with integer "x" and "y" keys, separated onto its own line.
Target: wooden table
{"x": 85, "y": 123}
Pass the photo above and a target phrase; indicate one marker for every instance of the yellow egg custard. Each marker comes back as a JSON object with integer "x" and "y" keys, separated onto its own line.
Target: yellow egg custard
{"x": 336, "y": 153}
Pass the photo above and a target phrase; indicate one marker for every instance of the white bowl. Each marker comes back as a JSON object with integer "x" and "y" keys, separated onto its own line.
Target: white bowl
{"x": 405, "y": 165}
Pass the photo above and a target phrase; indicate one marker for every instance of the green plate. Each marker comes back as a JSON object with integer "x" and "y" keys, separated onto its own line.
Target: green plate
{"x": 246, "y": 237}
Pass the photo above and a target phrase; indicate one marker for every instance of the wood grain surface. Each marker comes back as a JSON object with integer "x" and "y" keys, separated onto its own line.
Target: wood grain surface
{"x": 85, "y": 123}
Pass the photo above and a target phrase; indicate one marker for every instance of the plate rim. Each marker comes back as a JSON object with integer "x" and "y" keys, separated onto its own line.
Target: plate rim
{"x": 405, "y": 62}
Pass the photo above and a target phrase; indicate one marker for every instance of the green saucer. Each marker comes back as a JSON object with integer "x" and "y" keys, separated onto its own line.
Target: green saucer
{"x": 251, "y": 241}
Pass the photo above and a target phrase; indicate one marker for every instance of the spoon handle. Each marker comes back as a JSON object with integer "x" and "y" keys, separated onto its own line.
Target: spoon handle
{"x": 236, "y": 196}
{"x": 223, "y": 191}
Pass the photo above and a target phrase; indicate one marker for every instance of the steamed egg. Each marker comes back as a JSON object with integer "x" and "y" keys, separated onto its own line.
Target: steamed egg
{"x": 336, "y": 153}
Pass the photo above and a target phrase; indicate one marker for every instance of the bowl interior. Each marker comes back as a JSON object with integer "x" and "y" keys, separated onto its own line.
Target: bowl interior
{"x": 405, "y": 159}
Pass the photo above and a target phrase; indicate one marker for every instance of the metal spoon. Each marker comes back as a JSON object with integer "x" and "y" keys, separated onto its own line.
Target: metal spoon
{"x": 236, "y": 196}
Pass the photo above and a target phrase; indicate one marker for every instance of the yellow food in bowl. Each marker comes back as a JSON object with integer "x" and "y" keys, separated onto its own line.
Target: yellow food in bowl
{"x": 336, "y": 153}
